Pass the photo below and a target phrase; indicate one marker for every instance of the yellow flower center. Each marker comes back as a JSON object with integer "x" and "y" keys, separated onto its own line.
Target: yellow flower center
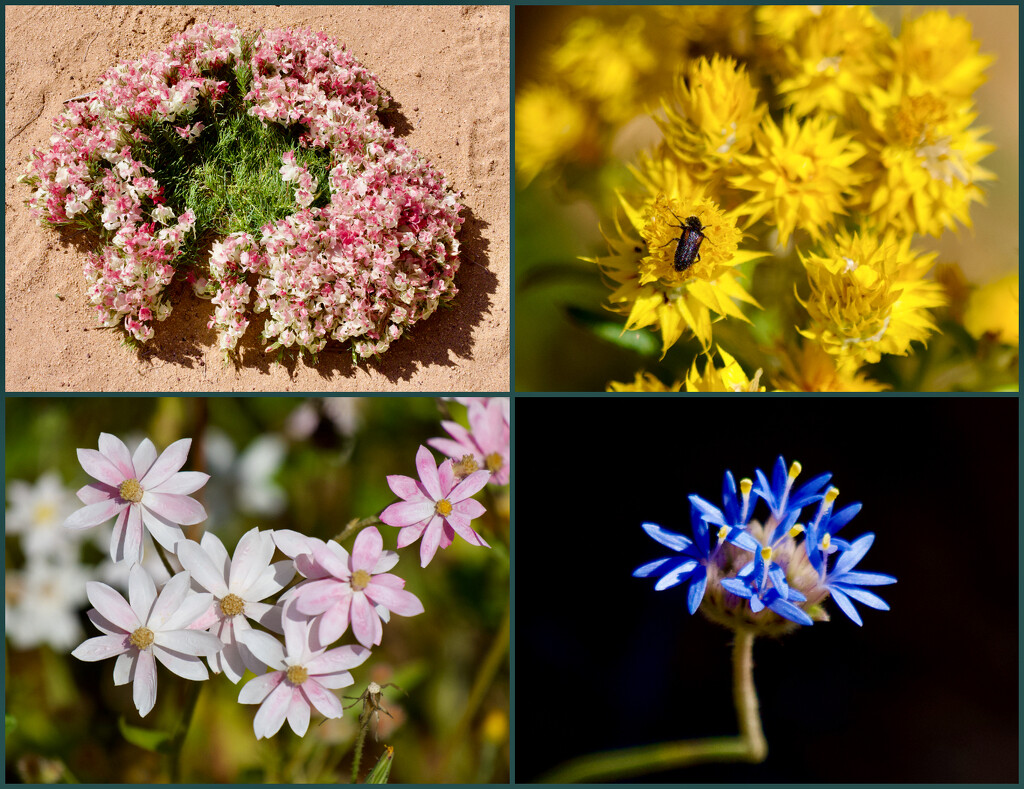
{"x": 443, "y": 508}
{"x": 297, "y": 675}
{"x": 494, "y": 462}
{"x": 465, "y": 466}
{"x": 130, "y": 490}
{"x": 360, "y": 578}
{"x": 766, "y": 553}
{"x": 142, "y": 638}
{"x": 232, "y": 605}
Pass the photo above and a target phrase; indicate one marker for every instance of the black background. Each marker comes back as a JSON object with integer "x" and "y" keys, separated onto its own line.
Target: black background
{"x": 925, "y": 692}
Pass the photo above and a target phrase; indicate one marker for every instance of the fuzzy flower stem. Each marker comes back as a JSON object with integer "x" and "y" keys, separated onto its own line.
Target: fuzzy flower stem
{"x": 163, "y": 558}
{"x": 357, "y": 756}
{"x": 749, "y": 746}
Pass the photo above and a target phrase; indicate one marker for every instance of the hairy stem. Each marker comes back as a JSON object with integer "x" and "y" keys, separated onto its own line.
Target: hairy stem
{"x": 749, "y": 746}
{"x": 177, "y": 744}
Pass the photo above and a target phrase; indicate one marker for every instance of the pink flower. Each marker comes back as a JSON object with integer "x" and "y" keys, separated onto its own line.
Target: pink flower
{"x": 151, "y": 627}
{"x": 139, "y": 489}
{"x": 436, "y": 507}
{"x": 301, "y": 678}
{"x": 356, "y": 588}
{"x": 487, "y": 439}
{"x": 238, "y": 585}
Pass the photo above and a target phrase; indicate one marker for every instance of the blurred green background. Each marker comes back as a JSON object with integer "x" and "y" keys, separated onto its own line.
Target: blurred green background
{"x": 275, "y": 463}
{"x": 559, "y": 299}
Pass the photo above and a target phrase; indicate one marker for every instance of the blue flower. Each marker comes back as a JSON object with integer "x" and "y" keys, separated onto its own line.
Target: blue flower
{"x": 691, "y": 564}
{"x": 781, "y": 499}
{"x": 770, "y": 598}
{"x": 844, "y": 584}
{"x": 735, "y": 515}
{"x": 820, "y": 542}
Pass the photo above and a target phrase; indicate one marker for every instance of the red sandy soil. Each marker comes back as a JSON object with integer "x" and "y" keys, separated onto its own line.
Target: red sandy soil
{"x": 447, "y": 69}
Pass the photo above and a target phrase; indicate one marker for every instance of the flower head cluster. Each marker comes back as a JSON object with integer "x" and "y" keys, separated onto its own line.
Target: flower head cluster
{"x": 873, "y": 134}
{"x": 381, "y": 257}
{"x": 767, "y": 576}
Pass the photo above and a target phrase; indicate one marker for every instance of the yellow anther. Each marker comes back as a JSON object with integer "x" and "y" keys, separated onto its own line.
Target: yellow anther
{"x": 444, "y": 508}
{"x": 831, "y": 494}
{"x": 766, "y": 553}
{"x": 494, "y": 462}
{"x": 142, "y": 637}
{"x": 360, "y": 579}
{"x": 745, "y": 486}
{"x": 130, "y": 490}
{"x": 795, "y": 469}
{"x": 826, "y": 541}
{"x": 723, "y": 533}
{"x": 796, "y": 531}
{"x": 232, "y": 605}
{"x": 297, "y": 675}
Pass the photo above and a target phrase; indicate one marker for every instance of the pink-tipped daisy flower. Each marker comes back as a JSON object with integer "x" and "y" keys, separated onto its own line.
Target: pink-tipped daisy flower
{"x": 238, "y": 585}
{"x": 301, "y": 677}
{"x": 436, "y": 507}
{"x": 486, "y": 441}
{"x": 140, "y": 489}
{"x": 148, "y": 627}
{"x": 354, "y": 587}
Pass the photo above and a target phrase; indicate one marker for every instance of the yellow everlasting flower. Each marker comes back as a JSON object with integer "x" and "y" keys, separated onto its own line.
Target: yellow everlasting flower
{"x": 716, "y": 117}
{"x": 812, "y": 369}
{"x": 799, "y": 175}
{"x": 995, "y": 309}
{"x": 650, "y": 287}
{"x": 644, "y": 382}
{"x": 728, "y": 378}
{"x": 607, "y": 63}
{"x": 937, "y": 54}
{"x": 926, "y": 156}
{"x": 834, "y": 55}
{"x": 868, "y": 297}
{"x": 550, "y": 127}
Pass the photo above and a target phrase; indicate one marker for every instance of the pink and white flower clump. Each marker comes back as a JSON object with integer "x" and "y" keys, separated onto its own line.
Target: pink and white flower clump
{"x": 435, "y": 507}
{"x": 151, "y": 627}
{"x": 301, "y": 678}
{"x": 343, "y": 588}
{"x": 140, "y": 490}
{"x": 237, "y": 585}
{"x": 379, "y": 258}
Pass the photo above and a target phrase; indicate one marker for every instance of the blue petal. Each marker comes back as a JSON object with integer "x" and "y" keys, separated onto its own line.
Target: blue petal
{"x": 700, "y": 531}
{"x": 786, "y": 609}
{"x": 778, "y": 576}
{"x": 809, "y": 492}
{"x": 736, "y": 587}
{"x": 780, "y": 475}
{"x": 676, "y": 576}
{"x": 764, "y": 490}
{"x": 853, "y": 554}
{"x": 865, "y": 579}
{"x": 756, "y": 605}
{"x": 729, "y": 498}
{"x": 844, "y": 516}
{"x": 677, "y": 542}
{"x": 697, "y": 587}
{"x": 710, "y": 512}
{"x": 743, "y": 540}
{"x": 844, "y": 603}
{"x": 647, "y": 570}
{"x": 864, "y": 596}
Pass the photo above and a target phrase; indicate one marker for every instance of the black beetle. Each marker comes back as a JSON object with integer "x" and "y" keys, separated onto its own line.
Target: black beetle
{"x": 688, "y": 249}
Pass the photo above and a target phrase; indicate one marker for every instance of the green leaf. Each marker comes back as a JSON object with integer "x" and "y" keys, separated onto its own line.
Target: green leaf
{"x": 10, "y": 724}
{"x": 640, "y": 341}
{"x": 149, "y": 739}
{"x": 380, "y": 772}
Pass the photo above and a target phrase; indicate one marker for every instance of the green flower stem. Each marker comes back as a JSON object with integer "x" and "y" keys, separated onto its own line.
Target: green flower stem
{"x": 177, "y": 744}
{"x": 484, "y": 679}
{"x": 749, "y": 746}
